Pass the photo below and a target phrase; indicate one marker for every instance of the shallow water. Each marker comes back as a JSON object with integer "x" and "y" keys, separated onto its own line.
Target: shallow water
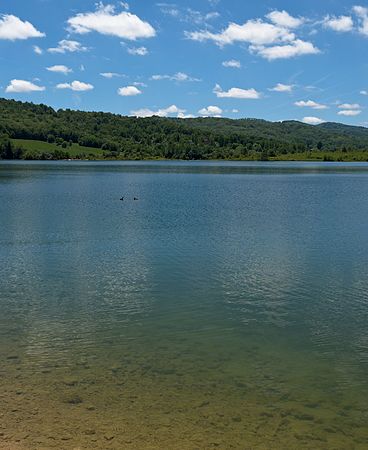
{"x": 226, "y": 308}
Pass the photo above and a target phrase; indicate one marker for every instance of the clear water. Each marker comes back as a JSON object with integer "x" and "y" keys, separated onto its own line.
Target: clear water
{"x": 225, "y": 308}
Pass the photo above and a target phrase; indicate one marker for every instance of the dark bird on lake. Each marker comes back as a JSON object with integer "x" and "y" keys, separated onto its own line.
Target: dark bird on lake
{"x": 122, "y": 198}
{"x": 135, "y": 198}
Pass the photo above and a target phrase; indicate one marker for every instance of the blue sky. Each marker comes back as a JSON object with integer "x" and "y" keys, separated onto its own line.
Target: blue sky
{"x": 276, "y": 60}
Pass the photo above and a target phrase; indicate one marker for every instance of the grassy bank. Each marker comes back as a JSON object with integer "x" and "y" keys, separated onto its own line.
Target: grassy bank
{"x": 33, "y": 148}
{"x": 348, "y": 156}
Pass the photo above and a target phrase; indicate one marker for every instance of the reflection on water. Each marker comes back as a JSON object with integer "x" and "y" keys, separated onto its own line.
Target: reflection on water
{"x": 226, "y": 308}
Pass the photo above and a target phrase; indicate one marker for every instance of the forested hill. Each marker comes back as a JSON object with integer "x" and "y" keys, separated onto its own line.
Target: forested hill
{"x": 156, "y": 137}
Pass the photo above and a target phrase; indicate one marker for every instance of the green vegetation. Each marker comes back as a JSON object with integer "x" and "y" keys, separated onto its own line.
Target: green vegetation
{"x": 29, "y": 131}
{"x": 33, "y": 149}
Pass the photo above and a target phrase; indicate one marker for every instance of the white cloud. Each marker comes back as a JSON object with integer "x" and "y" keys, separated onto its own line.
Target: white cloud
{"x": 364, "y": 92}
{"x": 109, "y": 74}
{"x": 170, "y": 10}
{"x": 59, "y": 69}
{"x": 105, "y": 21}
{"x": 188, "y": 15}
{"x": 179, "y": 76}
{"x": 236, "y": 93}
{"x": 284, "y": 19}
{"x": 139, "y": 51}
{"x": 37, "y": 50}
{"x": 171, "y": 110}
{"x": 312, "y": 120}
{"x": 271, "y": 40}
{"x": 77, "y": 86}
{"x": 349, "y": 112}
{"x": 139, "y": 83}
{"x": 129, "y": 91}
{"x": 232, "y": 63}
{"x": 193, "y": 16}
{"x": 255, "y": 32}
{"x": 185, "y": 116}
{"x": 292, "y": 50}
{"x": 211, "y": 111}
{"x": 349, "y": 106}
{"x": 310, "y": 104}
{"x": 212, "y": 15}
{"x": 68, "y": 46}
{"x": 13, "y": 28}
{"x": 282, "y": 87}
{"x": 362, "y": 14}
{"x": 341, "y": 24}
{"x": 23, "y": 86}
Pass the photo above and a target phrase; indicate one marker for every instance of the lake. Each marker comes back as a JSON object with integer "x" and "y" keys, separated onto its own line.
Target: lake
{"x": 226, "y": 307}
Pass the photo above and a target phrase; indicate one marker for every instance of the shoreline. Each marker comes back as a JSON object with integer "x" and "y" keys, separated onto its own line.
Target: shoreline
{"x": 194, "y": 160}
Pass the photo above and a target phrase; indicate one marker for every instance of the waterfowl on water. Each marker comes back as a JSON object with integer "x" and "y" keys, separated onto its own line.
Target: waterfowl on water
{"x": 122, "y": 198}
{"x": 135, "y": 198}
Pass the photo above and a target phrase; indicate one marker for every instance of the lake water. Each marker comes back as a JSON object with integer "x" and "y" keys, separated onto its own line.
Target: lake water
{"x": 225, "y": 308}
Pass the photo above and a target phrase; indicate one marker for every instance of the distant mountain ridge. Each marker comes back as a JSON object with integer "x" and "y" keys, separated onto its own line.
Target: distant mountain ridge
{"x": 158, "y": 137}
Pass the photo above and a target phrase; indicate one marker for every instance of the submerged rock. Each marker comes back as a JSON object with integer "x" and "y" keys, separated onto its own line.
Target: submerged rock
{"x": 75, "y": 400}
{"x": 109, "y": 436}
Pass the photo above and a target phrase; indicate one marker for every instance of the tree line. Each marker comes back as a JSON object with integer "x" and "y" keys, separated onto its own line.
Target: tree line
{"x": 124, "y": 137}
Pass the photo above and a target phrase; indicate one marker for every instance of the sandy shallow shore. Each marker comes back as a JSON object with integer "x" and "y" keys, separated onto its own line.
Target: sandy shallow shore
{"x": 168, "y": 397}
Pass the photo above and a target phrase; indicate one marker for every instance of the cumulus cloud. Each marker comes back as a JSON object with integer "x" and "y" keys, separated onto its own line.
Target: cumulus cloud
{"x": 13, "y": 28}
{"x": 340, "y": 24}
{"x": 129, "y": 91}
{"x": 236, "y": 93}
{"x": 77, "y": 86}
{"x": 23, "y": 86}
{"x": 68, "y": 46}
{"x": 37, "y": 50}
{"x": 312, "y": 120}
{"x": 362, "y": 14}
{"x": 106, "y": 21}
{"x": 349, "y": 112}
{"x": 284, "y": 19}
{"x": 346, "y": 23}
{"x": 272, "y": 39}
{"x": 364, "y": 92}
{"x": 179, "y": 76}
{"x": 255, "y": 32}
{"x": 165, "y": 112}
{"x": 282, "y": 87}
{"x": 211, "y": 111}
{"x": 349, "y": 106}
{"x": 59, "y": 69}
{"x": 185, "y": 116}
{"x": 232, "y": 63}
{"x": 310, "y": 104}
{"x": 139, "y": 51}
{"x": 292, "y": 50}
